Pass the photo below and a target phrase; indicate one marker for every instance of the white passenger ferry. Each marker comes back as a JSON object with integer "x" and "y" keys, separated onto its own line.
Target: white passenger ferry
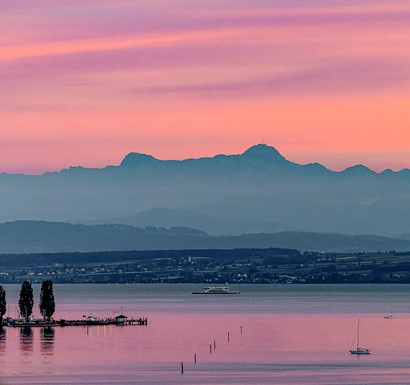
{"x": 216, "y": 290}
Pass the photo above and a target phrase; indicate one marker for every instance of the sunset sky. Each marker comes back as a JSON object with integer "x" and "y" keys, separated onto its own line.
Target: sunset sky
{"x": 86, "y": 82}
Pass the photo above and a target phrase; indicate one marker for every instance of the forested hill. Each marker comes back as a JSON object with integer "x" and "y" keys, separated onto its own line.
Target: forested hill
{"x": 50, "y": 237}
{"x": 115, "y": 257}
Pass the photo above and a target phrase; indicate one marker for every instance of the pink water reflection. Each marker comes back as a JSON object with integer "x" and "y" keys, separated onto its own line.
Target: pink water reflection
{"x": 264, "y": 347}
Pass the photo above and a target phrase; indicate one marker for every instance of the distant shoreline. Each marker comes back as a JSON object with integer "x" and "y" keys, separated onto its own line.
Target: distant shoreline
{"x": 216, "y": 267}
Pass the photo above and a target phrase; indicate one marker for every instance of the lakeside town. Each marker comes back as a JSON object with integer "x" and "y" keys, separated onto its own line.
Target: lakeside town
{"x": 242, "y": 266}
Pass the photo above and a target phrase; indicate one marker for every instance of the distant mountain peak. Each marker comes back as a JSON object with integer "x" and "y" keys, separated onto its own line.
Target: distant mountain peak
{"x": 263, "y": 151}
{"x": 359, "y": 170}
{"x": 259, "y": 152}
{"x": 136, "y": 159}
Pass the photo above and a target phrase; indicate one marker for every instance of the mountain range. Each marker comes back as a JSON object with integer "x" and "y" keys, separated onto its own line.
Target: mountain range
{"x": 167, "y": 218}
{"x": 258, "y": 191}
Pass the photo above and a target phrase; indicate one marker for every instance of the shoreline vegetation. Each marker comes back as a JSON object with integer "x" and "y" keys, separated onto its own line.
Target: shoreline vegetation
{"x": 47, "y": 307}
{"x": 212, "y": 266}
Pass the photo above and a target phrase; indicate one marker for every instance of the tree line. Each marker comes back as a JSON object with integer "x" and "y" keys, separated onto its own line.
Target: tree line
{"x": 26, "y": 301}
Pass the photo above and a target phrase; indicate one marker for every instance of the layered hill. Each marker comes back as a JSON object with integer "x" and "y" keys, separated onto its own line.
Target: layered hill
{"x": 256, "y": 191}
{"x": 51, "y": 237}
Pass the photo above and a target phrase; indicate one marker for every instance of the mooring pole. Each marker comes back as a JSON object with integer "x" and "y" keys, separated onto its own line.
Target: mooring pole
{"x": 182, "y": 367}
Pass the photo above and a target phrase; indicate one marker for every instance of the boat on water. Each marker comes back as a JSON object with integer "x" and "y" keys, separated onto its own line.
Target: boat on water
{"x": 358, "y": 349}
{"x": 216, "y": 290}
{"x": 389, "y": 317}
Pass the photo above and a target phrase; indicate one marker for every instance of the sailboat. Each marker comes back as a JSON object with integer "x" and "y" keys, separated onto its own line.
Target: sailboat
{"x": 358, "y": 349}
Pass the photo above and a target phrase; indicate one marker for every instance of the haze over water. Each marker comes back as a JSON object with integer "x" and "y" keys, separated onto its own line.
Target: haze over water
{"x": 290, "y": 335}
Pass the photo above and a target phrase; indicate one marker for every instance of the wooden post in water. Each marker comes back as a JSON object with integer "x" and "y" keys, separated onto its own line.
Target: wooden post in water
{"x": 182, "y": 367}
{"x": 195, "y": 357}
{"x": 228, "y": 336}
{"x": 210, "y": 348}
{"x": 241, "y": 329}
{"x": 214, "y": 345}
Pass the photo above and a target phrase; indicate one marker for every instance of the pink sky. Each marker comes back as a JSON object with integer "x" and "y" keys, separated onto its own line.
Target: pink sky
{"x": 86, "y": 82}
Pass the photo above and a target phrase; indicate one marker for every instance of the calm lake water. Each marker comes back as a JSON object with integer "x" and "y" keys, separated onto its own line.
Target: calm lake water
{"x": 278, "y": 334}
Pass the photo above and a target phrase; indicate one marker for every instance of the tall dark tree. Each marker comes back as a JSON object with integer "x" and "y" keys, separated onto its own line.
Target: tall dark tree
{"x": 26, "y": 301}
{"x": 47, "y": 303}
{"x": 3, "y": 303}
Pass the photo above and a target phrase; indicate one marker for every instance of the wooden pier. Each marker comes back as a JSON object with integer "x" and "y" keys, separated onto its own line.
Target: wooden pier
{"x": 125, "y": 321}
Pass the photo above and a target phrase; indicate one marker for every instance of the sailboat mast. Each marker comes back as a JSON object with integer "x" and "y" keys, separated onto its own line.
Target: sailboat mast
{"x": 358, "y": 349}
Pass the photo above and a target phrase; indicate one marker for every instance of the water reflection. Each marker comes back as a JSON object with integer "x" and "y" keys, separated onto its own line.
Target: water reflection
{"x": 2, "y": 340}
{"x": 26, "y": 340}
{"x": 47, "y": 341}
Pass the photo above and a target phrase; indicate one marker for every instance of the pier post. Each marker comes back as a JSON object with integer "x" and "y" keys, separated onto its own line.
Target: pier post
{"x": 228, "y": 336}
{"x": 195, "y": 357}
{"x": 182, "y": 367}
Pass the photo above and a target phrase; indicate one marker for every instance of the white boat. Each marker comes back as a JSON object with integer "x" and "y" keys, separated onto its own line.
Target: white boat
{"x": 358, "y": 349}
{"x": 216, "y": 290}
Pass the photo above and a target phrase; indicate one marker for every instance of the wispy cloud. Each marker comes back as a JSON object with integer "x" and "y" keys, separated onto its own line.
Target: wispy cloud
{"x": 153, "y": 61}
{"x": 340, "y": 78}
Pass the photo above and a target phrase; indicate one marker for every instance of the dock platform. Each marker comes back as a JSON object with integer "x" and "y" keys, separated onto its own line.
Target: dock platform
{"x": 141, "y": 321}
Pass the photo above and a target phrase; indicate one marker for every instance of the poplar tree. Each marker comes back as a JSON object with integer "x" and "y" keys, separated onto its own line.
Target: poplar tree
{"x": 26, "y": 301}
{"x": 3, "y": 303}
{"x": 47, "y": 303}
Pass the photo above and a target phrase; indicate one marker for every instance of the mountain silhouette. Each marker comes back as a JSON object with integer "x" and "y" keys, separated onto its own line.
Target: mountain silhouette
{"x": 258, "y": 190}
